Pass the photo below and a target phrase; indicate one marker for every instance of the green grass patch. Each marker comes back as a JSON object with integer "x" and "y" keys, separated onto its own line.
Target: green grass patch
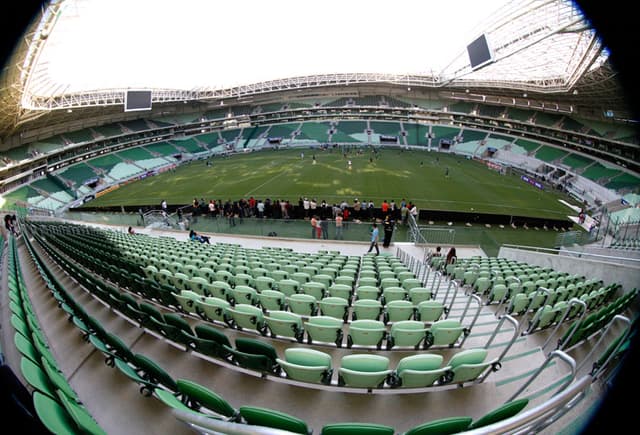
{"x": 417, "y": 176}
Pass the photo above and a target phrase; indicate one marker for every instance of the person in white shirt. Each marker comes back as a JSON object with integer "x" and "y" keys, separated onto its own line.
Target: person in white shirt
{"x": 305, "y": 206}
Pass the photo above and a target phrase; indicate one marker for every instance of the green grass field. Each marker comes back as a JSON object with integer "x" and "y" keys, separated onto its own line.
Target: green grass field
{"x": 418, "y": 176}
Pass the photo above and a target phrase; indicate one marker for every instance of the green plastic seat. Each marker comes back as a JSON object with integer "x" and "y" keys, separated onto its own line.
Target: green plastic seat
{"x": 197, "y": 397}
{"x": 367, "y": 281}
{"x": 345, "y": 279}
{"x": 245, "y": 316}
{"x": 187, "y": 300}
{"x": 307, "y": 365}
{"x": 214, "y": 309}
{"x": 497, "y": 294}
{"x": 36, "y": 377}
{"x": 255, "y": 355}
{"x": 272, "y": 300}
{"x": 418, "y": 371}
{"x": 303, "y": 304}
{"x": 363, "y": 370}
{"x": 501, "y": 413}
{"x": 323, "y": 278}
{"x": 366, "y": 332}
{"x": 53, "y": 415}
{"x": 419, "y": 294}
{"x": 80, "y": 415}
{"x": 288, "y": 286}
{"x": 334, "y": 306}
{"x": 406, "y": 333}
{"x": 264, "y": 283}
{"x": 313, "y": 288}
{"x": 389, "y": 282}
{"x": 366, "y": 309}
{"x": 391, "y": 294}
{"x": 467, "y": 365}
{"x": 301, "y": 277}
{"x": 443, "y": 426}
{"x": 284, "y": 324}
{"x": 367, "y": 292}
{"x": 344, "y": 291}
{"x": 444, "y": 333}
{"x": 398, "y": 310}
{"x": 429, "y": 311}
{"x": 356, "y": 429}
{"x": 324, "y": 329}
{"x": 210, "y": 341}
{"x": 242, "y": 294}
{"x": 257, "y": 416}
{"x": 221, "y": 290}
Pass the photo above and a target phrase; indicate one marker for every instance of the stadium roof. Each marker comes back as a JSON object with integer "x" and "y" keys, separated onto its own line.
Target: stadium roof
{"x": 93, "y": 45}
{"x": 86, "y": 53}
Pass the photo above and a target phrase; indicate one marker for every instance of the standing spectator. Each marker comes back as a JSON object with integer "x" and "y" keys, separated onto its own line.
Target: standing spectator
{"x": 384, "y": 207}
{"x": 388, "y": 231}
{"x": 451, "y": 256}
{"x": 374, "y": 238}
{"x": 324, "y": 224}
{"x": 370, "y": 209}
{"x": 414, "y": 211}
{"x": 141, "y": 213}
{"x": 284, "y": 210}
{"x": 260, "y": 208}
{"x": 313, "y": 205}
{"x": 163, "y": 205}
{"x": 318, "y": 227}
{"x": 404, "y": 212}
{"x": 339, "y": 235}
{"x": 305, "y": 206}
{"x": 356, "y": 209}
{"x": 314, "y": 222}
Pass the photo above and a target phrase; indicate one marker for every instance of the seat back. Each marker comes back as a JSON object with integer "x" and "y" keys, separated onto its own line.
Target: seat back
{"x": 366, "y": 333}
{"x": 429, "y": 311}
{"x": 199, "y": 396}
{"x": 356, "y": 429}
{"x": 422, "y": 370}
{"x": 419, "y": 294}
{"x": 406, "y": 333}
{"x": 247, "y": 316}
{"x": 366, "y": 309}
{"x": 445, "y": 332}
{"x": 307, "y": 365}
{"x": 334, "y": 306}
{"x": 363, "y": 370}
{"x": 257, "y": 416}
{"x": 399, "y": 310}
{"x": 284, "y": 324}
{"x": 443, "y": 426}
{"x": 272, "y": 300}
{"x": 324, "y": 329}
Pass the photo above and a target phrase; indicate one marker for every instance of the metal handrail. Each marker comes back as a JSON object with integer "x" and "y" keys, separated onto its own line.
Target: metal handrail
{"x": 553, "y": 355}
{"x": 516, "y": 328}
{"x": 535, "y": 419}
{"x": 572, "y": 302}
{"x": 475, "y": 318}
{"x": 597, "y": 370}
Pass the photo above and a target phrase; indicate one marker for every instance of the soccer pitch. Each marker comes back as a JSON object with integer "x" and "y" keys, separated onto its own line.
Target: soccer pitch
{"x": 432, "y": 180}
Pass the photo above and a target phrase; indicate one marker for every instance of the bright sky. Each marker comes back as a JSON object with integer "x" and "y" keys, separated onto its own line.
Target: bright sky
{"x": 187, "y": 44}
